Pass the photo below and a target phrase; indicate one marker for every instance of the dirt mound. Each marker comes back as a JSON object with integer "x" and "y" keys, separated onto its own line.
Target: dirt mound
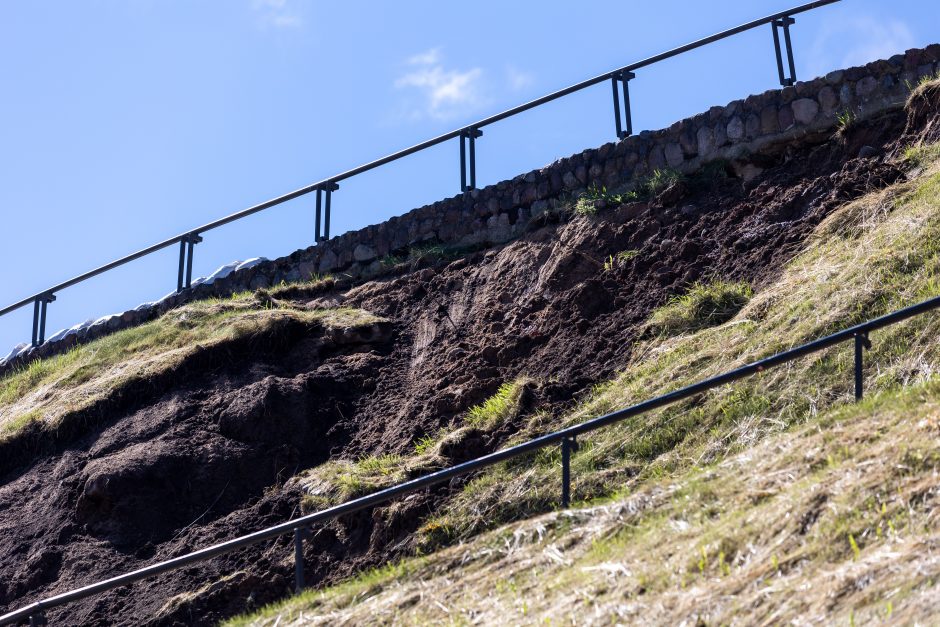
{"x": 202, "y": 457}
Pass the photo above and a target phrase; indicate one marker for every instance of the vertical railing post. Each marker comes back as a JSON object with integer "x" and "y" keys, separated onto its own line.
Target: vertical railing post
{"x": 39, "y": 318}
{"x": 568, "y": 446}
{"x": 329, "y": 188}
{"x": 471, "y": 135}
{"x": 298, "y": 560}
{"x": 861, "y": 342}
{"x": 624, "y": 128}
{"x": 35, "y": 340}
{"x": 317, "y": 218}
{"x": 784, "y": 23}
{"x": 182, "y": 266}
{"x": 184, "y": 277}
{"x": 38, "y": 620}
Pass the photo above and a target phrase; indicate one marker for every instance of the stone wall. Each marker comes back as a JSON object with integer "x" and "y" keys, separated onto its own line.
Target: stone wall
{"x": 500, "y": 212}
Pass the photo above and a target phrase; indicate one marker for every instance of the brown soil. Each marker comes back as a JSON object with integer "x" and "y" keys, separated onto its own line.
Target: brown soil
{"x": 201, "y": 456}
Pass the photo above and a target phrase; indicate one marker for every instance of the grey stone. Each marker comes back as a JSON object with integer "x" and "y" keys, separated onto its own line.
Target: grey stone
{"x": 867, "y": 152}
{"x": 735, "y": 129}
{"x": 785, "y": 117}
{"x": 539, "y": 207}
{"x": 835, "y": 77}
{"x": 570, "y": 180}
{"x": 328, "y": 261}
{"x": 721, "y": 136}
{"x": 768, "y": 120}
{"x": 706, "y": 140}
{"x": 363, "y": 253}
{"x": 307, "y": 269}
{"x": 805, "y": 110}
{"x": 866, "y": 86}
{"x": 673, "y": 155}
{"x": 657, "y": 159}
{"x": 752, "y": 125}
{"x": 828, "y": 99}
{"x": 845, "y": 95}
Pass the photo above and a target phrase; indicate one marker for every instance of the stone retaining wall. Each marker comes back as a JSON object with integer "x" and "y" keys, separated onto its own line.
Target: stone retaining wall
{"x": 500, "y": 212}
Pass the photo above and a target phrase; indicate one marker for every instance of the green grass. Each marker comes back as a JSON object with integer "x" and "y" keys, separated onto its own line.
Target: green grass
{"x": 613, "y": 261}
{"x": 921, "y": 154}
{"x": 845, "y": 121}
{"x": 499, "y": 408}
{"x": 720, "y": 495}
{"x": 660, "y": 180}
{"x": 48, "y": 389}
{"x": 703, "y": 305}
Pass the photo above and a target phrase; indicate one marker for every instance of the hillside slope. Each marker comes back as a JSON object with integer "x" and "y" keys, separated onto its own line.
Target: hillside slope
{"x": 229, "y": 415}
{"x": 772, "y": 500}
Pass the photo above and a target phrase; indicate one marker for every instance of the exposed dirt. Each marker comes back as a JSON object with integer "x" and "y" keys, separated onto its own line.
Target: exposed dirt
{"x": 201, "y": 457}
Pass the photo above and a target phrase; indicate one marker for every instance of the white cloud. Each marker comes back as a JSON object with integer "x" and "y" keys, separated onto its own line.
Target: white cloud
{"x": 517, "y": 80}
{"x": 858, "y": 40}
{"x": 278, "y": 13}
{"x": 443, "y": 93}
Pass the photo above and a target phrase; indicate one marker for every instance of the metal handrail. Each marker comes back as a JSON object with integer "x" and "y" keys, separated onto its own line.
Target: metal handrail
{"x": 566, "y": 437}
{"x": 782, "y": 20}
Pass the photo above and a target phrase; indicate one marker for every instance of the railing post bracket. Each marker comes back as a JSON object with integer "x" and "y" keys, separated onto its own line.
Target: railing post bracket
{"x": 39, "y": 318}
{"x": 784, "y": 23}
{"x": 184, "y": 277}
{"x": 323, "y": 211}
{"x": 623, "y": 77}
{"x": 468, "y": 135}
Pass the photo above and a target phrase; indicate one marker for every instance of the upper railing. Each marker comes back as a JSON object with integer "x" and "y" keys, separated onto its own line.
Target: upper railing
{"x": 565, "y": 437}
{"x": 467, "y": 136}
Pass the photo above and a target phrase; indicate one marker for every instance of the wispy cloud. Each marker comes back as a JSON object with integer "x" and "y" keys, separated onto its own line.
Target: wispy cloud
{"x": 282, "y": 14}
{"x": 517, "y": 80}
{"x": 442, "y": 93}
{"x": 431, "y": 89}
{"x": 858, "y": 40}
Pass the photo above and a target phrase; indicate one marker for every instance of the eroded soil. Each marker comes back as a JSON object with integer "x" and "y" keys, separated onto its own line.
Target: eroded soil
{"x": 202, "y": 457}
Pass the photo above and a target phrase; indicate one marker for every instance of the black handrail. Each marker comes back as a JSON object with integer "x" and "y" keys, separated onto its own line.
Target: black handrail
{"x": 566, "y": 437}
{"x": 782, "y": 20}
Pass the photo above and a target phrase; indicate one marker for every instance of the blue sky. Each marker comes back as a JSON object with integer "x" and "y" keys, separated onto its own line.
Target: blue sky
{"x": 124, "y": 122}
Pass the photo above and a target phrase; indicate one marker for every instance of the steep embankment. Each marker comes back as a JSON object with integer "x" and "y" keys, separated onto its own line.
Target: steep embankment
{"x": 773, "y": 500}
{"x": 185, "y": 431}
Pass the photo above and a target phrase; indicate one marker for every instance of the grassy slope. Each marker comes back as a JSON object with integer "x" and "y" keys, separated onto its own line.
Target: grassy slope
{"x": 775, "y": 498}
{"x": 49, "y": 388}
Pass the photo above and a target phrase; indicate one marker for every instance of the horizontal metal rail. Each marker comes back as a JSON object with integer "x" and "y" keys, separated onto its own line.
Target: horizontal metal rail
{"x": 470, "y": 130}
{"x": 566, "y": 437}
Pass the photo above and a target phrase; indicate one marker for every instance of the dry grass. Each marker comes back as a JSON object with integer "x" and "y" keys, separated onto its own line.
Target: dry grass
{"x": 48, "y": 389}
{"x": 832, "y": 523}
{"x": 772, "y": 500}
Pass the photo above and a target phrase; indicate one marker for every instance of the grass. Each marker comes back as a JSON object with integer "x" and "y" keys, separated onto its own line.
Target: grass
{"x": 772, "y": 535}
{"x": 499, "y": 408}
{"x": 703, "y": 305}
{"x": 845, "y": 121}
{"x": 924, "y": 85}
{"x": 48, "y": 389}
{"x": 775, "y": 498}
{"x": 920, "y": 155}
{"x": 614, "y": 261}
{"x": 587, "y": 200}
{"x": 337, "y": 481}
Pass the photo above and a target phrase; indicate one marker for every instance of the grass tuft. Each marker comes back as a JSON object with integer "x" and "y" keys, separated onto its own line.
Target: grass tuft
{"x": 704, "y": 305}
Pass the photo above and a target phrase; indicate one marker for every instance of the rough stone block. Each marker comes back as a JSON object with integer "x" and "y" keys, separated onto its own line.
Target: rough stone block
{"x": 805, "y": 110}
{"x": 672, "y": 154}
{"x": 735, "y": 129}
